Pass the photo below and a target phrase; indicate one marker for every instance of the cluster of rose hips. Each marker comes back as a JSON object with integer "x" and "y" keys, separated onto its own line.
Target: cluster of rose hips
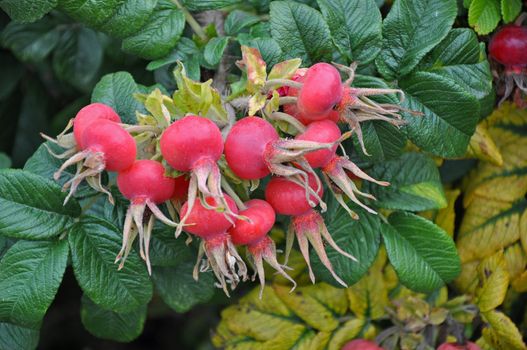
{"x": 200, "y": 200}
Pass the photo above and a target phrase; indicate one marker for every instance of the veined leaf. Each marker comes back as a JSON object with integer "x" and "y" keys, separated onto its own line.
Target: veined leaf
{"x": 94, "y": 245}
{"x": 116, "y": 90}
{"x": 482, "y": 146}
{"x": 450, "y": 113}
{"x": 355, "y": 27}
{"x": 510, "y": 9}
{"x": 502, "y": 333}
{"x": 360, "y": 238}
{"x": 445, "y": 217}
{"x": 411, "y": 29}
{"x": 31, "y": 207}
{"x": 107, "y": 324}
{"x": 414, "y": 184}
{"x": 300, "y": 31}
{"x": 179, "y": 290}
{"x": 30, "y": 275}
{"x": 14, "y": 337}
{"x": 484, "y": 15}
{"x": 27, "y": 10}
{"x": 422, "y": 253}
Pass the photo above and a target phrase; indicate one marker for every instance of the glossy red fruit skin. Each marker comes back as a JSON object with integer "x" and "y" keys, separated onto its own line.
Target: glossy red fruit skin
{"x": 146, "y": 179}
{"x": 454, "y": 346}
{"x": 324, "y": 131}
{"x": 188, "y": 140}
{"x": 88, "y": 115}
{"x": 206, "y": 223}
{"x": 262, "y": 218}
{"x": 321, "y": 91}
{"x": 245, "y": 147}
{"x": 509, "y": 47}
{"x": 361, "y": 344}
{"x": 109, "y": 138}
{"x": 289, "y": 198}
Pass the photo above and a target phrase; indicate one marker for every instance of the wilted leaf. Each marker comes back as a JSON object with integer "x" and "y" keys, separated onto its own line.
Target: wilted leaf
{"x": 482, "y": 146}
{"x": 254, "y": 66}
{"x": 503, "y": 333}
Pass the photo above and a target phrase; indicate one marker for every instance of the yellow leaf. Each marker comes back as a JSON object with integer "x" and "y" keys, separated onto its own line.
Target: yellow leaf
{"x": 350, "y": 330}
{"x": 502, "y": 332}
{"x": 256, "y": 102}
{"x": 445, "y": 218}
{"x": 519, "y": 284}
{"x": 369, "y": 297}
{"x": 313, "y": 341}
{"x": 317, "y": 305}
{"x": 516, "y": 261}
{"x": 255, "y": 67}
{"x": 285, "y": 69}
{"x": 482, "y": 146}
{"x": 493, "y": 291}
{"x": 272, "y": 104}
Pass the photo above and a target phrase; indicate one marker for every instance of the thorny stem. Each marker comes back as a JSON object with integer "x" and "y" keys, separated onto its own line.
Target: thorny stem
{"x": 196, "y": 27}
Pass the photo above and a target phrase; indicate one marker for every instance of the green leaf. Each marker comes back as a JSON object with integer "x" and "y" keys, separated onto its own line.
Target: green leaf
{"x": 179, "y": 290}
{"x": 457, "y": 57}
{"x": 360, "y": 238}
{"x": 31, "y": 207}
{"x": 415, "y": 184}
{"x": 14, "y": 337}
{"x": 510, "y": 9}
{"x": 159, "y": 35}
{"x": 129, "y": 18}
{"x": 355, "y": 27}
{"x": 238, "y": 20}
{"x": 214, "y": 50}
{"x": 106, "y": 324}
{"x": 423, "y": 255}
{"x": 30, "y": 42}
{"x": 78, "y": 57}
{"x": 300, "y": 31}
{"x": 203, "y": 5}
{"x": 185, "y": 51}
{"x": 165, "y": 251}
{"x": 484, "y": 15}
{"x": 94, "y": 245}
{"x": 91, "y": 12}
{"x": 116, "y": 90}
{"x": 27, "y": 10}
{"x": 30, "y": 275}
{"x": 5, "y": 161}
{"x": 411, "y": 29}
{"x": 449, "y": 117}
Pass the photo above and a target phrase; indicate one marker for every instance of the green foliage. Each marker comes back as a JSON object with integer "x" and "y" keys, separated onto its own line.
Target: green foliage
{"x": 31, "y": 273}
{"x": 17, "y": 338}
{"x": 94, "y": 243}
{"x": 32, "y": 207}
{"x": 107, "y": 324}
{"x": 484, "y": 15}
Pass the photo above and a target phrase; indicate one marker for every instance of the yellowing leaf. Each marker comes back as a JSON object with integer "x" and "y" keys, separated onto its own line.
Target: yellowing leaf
{"x": 445, "y": 218}
{"x": 494, "y": 280}
{"x": 516, "y": 261}
{"x": 350, "y": 330}
{"x": 256, "y": 102}
{"x": 482, "y": 146}
{"x": 502, "y": 333}
{"x": 197, "y": 98}
{"x": 368, "y": 298}
{"x": 316, "y": 305}
{"x": 285, "y": 69}
{"x": 255, "y": 67}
